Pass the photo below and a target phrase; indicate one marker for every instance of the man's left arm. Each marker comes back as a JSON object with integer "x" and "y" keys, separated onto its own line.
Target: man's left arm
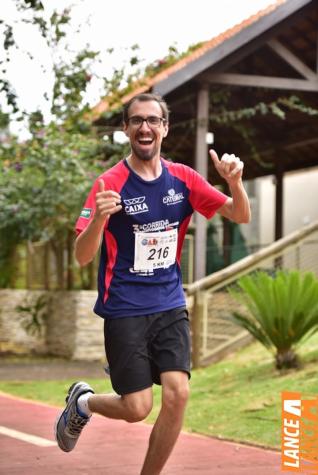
{"x": 237, "y": 207}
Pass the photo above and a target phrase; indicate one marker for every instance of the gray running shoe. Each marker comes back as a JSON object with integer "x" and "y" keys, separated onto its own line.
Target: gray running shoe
{"x": 70, "y": 423}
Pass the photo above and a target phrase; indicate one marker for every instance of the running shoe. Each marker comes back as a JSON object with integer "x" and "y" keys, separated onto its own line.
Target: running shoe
{"x": 69, "y": 423}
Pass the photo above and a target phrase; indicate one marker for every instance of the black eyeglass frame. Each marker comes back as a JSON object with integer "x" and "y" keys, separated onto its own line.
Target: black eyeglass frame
{"x": 141, "y": 120}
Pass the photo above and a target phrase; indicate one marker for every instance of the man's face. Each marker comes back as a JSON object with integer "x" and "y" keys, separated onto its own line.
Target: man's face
{"x": 145, "y": 138}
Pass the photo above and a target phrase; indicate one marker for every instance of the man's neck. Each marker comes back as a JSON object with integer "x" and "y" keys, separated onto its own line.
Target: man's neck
{"x": 147, "y": 169}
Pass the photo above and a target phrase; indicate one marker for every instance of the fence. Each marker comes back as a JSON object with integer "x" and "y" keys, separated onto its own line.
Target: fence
{"x": 211, "y": 306}
{"x": 213, "y": 333}
{"x": 37, "y": 268}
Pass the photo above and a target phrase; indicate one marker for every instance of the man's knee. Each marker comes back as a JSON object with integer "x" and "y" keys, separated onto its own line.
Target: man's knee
{"x": 176, "y": 395}
{"x": 137, "y": 409}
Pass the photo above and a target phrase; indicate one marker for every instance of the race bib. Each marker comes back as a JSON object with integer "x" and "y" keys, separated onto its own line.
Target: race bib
{"x": 155, "y": 250}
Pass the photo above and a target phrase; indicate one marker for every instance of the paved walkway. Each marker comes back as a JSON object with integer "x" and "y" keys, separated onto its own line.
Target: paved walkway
{"x": 113, "y": 448}
{"x": 46, "y": 369}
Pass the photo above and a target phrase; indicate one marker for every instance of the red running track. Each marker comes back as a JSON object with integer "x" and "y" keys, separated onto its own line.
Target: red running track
{"x": 108, "y": 447}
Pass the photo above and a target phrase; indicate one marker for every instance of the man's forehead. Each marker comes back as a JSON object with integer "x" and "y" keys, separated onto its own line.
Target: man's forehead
{"x": 145, "y": 107}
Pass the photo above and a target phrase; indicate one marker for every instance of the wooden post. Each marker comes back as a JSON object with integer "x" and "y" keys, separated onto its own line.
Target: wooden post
{"x": 279, "y": 207}
{"x": 316, "y": 51}
{"x": 28, "y": 266}
{"x": 201, "y": 166}
{"x": 279, "y": 201}
{"x": 199, "y": 313}
{"x": 46, "y": 266}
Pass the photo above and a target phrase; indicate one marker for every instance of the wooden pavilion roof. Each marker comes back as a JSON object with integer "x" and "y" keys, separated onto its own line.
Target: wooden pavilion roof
{"x": 271, "y": 58}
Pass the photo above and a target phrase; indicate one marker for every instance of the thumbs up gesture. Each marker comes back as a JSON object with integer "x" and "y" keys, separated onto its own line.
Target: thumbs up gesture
{"x": 107, "y": 202}
{"x": 101, "y": 185}
{"x": 229, "y": 167}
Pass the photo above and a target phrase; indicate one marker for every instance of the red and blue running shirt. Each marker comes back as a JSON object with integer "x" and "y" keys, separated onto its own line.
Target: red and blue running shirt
{"x": 139, "y": 270}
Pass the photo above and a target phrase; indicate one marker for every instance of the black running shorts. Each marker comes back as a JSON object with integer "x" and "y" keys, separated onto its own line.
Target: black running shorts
{"x": 139, "y": 349}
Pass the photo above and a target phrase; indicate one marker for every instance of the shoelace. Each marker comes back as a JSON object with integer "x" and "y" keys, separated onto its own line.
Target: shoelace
{"x": 76, "y": 424}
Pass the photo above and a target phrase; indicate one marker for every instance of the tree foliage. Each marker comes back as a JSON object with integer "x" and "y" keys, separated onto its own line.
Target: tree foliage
{"x": 44, "y": 180}
{"x": 43, "y": 184}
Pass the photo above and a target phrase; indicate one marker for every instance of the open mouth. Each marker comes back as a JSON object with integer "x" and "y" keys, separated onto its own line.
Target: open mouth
{"x": 145, "y": 141}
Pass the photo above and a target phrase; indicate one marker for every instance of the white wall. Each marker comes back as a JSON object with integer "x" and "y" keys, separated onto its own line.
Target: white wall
{"x": 300, "y": 202}
{"x": 265, "y": 190}
{"x": 301, "y": 196}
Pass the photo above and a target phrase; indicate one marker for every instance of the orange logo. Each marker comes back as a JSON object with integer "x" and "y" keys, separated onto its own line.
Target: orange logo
{"x": 299, "y": 433}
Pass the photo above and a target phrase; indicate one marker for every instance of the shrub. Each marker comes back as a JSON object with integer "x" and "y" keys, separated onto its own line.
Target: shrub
{"x": 281, "y": 311}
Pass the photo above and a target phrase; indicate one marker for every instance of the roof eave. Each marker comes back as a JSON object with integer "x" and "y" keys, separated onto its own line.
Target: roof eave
{"x": 229, "y": 46}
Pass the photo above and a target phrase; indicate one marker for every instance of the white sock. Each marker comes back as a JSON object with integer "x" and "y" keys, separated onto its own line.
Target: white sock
{"x": 82, "y": 404}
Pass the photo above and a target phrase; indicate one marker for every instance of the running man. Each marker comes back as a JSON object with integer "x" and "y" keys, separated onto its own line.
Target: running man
{"x": 139, "y": 211}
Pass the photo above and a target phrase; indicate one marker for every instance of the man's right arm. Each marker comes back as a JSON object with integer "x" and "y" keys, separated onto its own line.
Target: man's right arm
{"x": 88, "y": 241}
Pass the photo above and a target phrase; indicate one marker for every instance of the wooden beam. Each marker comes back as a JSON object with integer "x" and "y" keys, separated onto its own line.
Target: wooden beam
{"x": 292, "y": 59}
{"x": 269, "y": 82}
{"x": 288, "y": 146}
{"x": 251, "y": 47}
{"x": 248, "y": 39}
{"x": 301, "y": 143}
{"x": 201, "y": 166}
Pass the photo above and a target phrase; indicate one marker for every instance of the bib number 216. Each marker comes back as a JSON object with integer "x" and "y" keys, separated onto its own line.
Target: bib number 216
{"x": 158, "y": 253}
{"x": 156, "y": 250}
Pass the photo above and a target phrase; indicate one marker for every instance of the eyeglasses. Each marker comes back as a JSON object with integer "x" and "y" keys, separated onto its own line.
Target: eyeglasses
{"x": 152, "y": 121}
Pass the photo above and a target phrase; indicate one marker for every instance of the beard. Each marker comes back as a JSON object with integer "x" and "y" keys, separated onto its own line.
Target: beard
{"x": 145, "y": 155}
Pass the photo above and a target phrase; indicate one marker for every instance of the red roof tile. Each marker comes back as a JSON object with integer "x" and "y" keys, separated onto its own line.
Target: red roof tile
{"x": 146, "y": 83}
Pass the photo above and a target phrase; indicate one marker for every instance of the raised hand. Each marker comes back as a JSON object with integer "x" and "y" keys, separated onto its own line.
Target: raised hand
{"x": 229, "y": 167}
{"x": 107, "y": 202}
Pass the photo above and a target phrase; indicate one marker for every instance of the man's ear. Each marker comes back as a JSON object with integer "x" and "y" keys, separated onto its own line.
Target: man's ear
{"x": 125, "y": 129}
{"x": 166, "y": 130}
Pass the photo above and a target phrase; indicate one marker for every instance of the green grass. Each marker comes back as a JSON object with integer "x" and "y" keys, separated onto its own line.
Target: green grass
{"x": 237, "y": 399}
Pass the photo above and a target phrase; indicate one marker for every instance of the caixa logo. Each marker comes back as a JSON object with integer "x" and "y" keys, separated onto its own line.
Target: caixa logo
{"x": 172, "y": 198}
{"x": 136, "y": 205}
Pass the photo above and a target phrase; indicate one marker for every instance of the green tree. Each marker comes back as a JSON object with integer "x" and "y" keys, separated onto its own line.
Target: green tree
{"x": 44, "y": 180}
{"x": 44, "y": 184}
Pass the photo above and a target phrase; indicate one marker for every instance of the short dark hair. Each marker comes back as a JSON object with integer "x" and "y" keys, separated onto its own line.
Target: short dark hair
{"x": 144, "y": 97}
